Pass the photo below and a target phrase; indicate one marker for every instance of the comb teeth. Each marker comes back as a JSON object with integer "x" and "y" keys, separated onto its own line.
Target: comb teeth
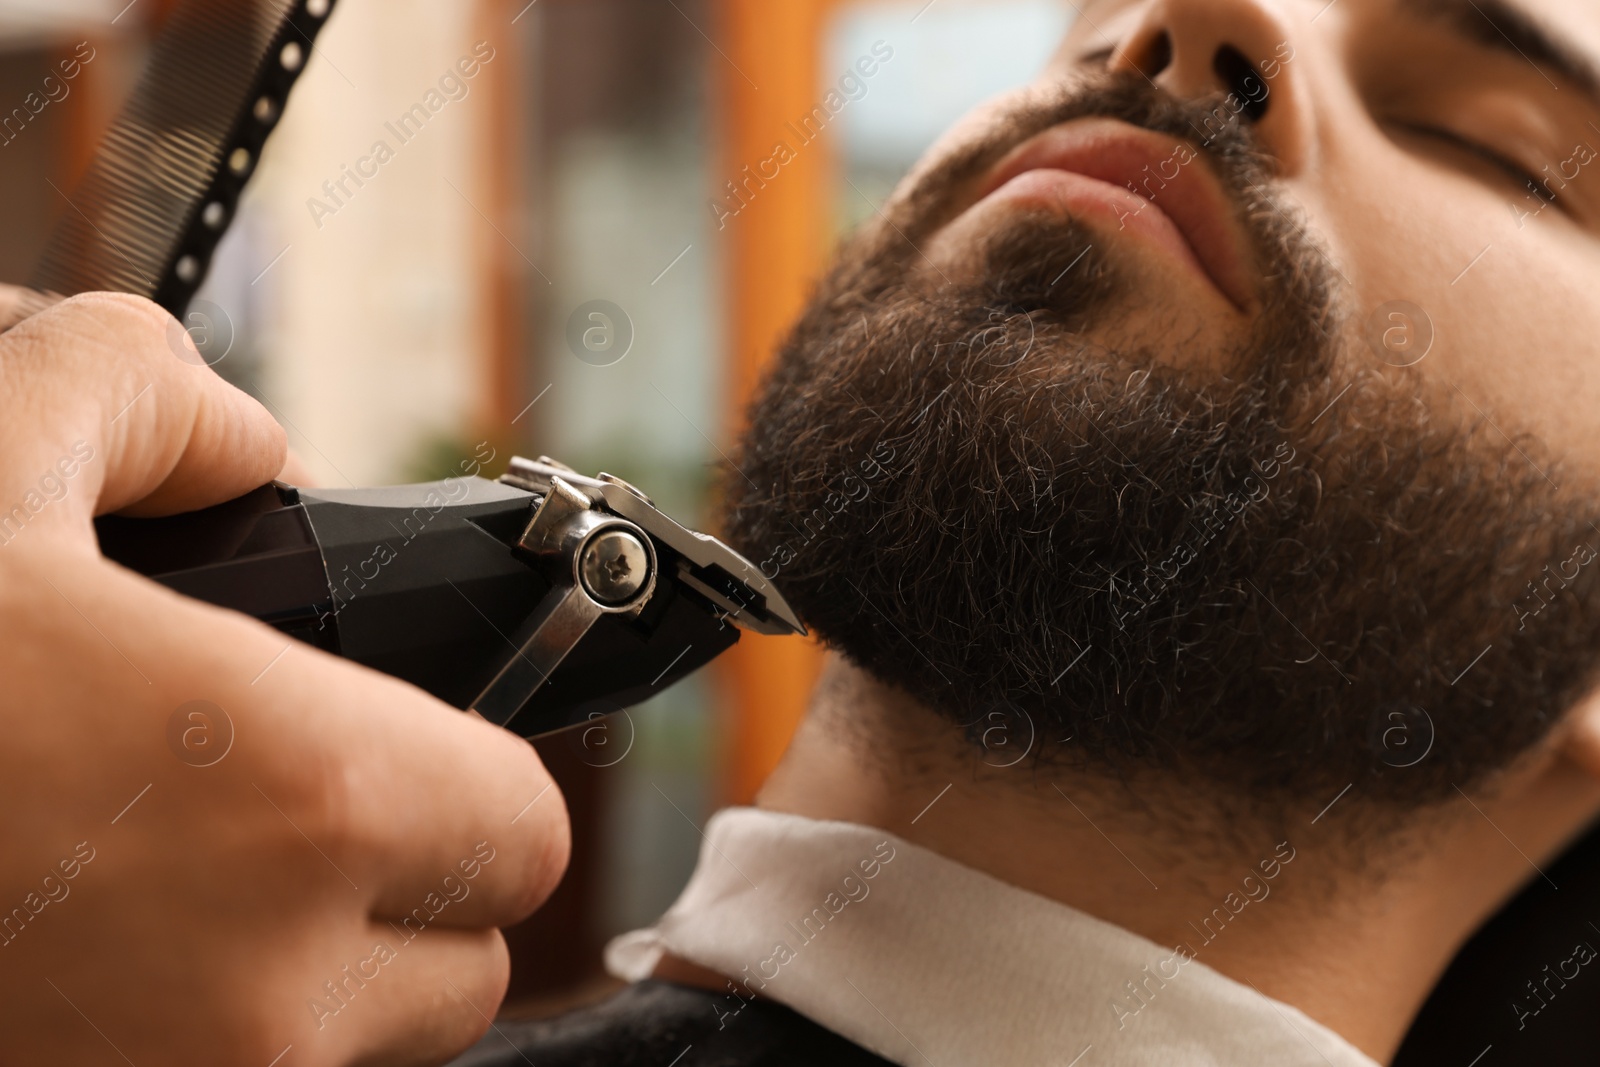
{"x": 188, "y": 138}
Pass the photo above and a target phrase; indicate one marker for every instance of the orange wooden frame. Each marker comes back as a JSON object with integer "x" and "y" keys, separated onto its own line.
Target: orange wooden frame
{"x": 776, "y": 234}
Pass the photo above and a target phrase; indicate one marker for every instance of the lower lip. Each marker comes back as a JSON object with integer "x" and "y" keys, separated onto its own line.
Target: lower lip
{"x": 1098, "y": 202}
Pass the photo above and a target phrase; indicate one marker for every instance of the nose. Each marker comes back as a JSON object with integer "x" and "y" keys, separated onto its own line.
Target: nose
{"x": 1243, "y": 52}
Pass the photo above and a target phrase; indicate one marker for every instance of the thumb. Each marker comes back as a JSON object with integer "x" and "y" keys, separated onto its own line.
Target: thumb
{"x": 108, "y": 387}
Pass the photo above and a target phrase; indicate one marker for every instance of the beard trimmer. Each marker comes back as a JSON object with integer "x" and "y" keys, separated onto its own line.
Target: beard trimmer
{"x": 538, "y": 600}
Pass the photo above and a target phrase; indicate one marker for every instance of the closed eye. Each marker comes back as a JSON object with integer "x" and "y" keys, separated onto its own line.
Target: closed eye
{"x": 1509, "y": 167}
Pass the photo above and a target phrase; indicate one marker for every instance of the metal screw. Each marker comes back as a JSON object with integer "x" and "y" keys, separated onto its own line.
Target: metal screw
{"x": 615, "y": 566}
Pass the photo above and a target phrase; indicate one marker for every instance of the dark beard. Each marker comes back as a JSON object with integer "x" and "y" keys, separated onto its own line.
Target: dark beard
{"x": 1299, "y": 573}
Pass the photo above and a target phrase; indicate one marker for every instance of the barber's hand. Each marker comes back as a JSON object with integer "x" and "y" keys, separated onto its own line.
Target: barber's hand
{"x": 220, "y": 846}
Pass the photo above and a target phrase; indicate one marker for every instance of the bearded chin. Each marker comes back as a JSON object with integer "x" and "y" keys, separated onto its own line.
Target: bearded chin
{"x": 1250, "y": 579}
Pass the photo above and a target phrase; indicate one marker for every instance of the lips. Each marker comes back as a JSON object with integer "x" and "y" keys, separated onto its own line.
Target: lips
{"x": 1156, "y": 186}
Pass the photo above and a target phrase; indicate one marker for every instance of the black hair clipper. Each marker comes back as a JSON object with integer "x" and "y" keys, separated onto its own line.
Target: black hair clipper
{"x": 538, "y": 600}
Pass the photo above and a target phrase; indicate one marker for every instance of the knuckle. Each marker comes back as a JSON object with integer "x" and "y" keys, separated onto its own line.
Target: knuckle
{"x": 319, "y": 793}
{"x": 122, "y": 315}
{"x": 113, "y": 304}
{"x": 110, "y": 334}
{"x": 337, "y": 797}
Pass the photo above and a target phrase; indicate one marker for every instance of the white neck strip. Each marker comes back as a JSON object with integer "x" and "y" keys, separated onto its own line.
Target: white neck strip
{"x": 928, "y": 962}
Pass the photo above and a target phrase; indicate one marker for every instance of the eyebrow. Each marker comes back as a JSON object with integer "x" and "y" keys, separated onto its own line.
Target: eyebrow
{"x": 1500, "y": 26}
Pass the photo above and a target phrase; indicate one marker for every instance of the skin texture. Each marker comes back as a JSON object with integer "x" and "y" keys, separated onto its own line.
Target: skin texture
{"x": 184, "y": 913}
{"x": 1400, "y": 211}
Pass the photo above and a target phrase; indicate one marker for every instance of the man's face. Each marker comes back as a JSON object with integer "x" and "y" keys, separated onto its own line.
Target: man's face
{"x": 1406, "y": 133}
{"x": 1221, "y": 402}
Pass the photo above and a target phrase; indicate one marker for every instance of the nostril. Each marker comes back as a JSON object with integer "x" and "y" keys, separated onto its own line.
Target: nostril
{"x": 1157, "y": 55}
{"x": 1242, "y": 80}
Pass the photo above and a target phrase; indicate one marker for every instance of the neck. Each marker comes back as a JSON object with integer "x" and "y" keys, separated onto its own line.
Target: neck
{"x": 1357, "y": 952}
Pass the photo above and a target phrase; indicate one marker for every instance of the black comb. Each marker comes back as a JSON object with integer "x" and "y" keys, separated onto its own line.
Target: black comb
{"x": 166, "y": 180}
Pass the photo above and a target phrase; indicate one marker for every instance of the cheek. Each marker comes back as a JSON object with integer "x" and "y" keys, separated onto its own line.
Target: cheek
{"x": 1530, "y": 350}
{"x": 1510, "y": 307}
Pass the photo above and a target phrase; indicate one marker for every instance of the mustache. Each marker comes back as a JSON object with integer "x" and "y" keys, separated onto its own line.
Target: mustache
{"x": 1216, "y": 130}
{"x": 1029, "y": 265}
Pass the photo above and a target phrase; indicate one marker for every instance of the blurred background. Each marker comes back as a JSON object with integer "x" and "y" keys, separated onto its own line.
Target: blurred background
{"x": 691, "y": 163}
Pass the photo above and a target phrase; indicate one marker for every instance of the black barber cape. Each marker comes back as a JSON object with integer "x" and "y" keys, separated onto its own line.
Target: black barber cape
{"x": 657, "y": 1024}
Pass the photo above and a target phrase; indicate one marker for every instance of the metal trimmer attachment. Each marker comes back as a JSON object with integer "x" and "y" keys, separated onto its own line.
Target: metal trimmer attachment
{"x": 538, "y": 601}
